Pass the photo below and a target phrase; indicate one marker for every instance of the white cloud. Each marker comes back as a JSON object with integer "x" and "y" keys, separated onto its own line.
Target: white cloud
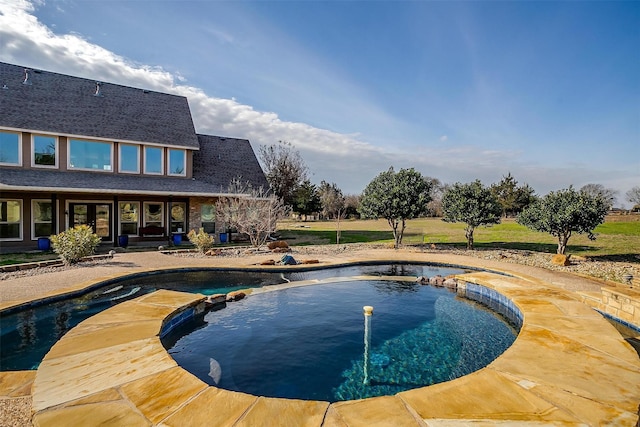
{"x": 346, "y": 159}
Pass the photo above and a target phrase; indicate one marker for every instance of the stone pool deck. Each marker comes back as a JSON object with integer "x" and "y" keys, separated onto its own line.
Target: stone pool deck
{"x": 567, "y": 367}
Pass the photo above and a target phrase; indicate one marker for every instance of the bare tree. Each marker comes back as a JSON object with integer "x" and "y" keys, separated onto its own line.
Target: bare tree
{"x": 284, "y": 168}
{"x": 352, "y": 205}
{"x": 333, "y": 204}
{"x": 252, "y": 211}
{"x": 598, "y": 190}
{"x": 633, "y": 196}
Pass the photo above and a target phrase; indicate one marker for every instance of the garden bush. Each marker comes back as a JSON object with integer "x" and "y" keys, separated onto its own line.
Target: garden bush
{"x": 201, "y": 240}
{"x": 74, "y": 244}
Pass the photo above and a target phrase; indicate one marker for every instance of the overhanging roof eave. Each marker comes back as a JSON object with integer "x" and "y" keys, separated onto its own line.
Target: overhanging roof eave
{"x": 5, "y": 187}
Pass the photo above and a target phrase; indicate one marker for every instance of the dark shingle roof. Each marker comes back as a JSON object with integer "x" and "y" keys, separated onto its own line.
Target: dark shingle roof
{"x": 222, "y": 159}
{"x": 99, "y": 183}
{"x": 67, "y": 105}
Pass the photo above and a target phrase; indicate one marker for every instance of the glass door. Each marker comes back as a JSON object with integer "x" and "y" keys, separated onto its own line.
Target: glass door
{"x": 95, "y": 215}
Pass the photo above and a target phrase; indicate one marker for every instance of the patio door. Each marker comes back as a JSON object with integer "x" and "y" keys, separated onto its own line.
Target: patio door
{"x": 95, "y": 215}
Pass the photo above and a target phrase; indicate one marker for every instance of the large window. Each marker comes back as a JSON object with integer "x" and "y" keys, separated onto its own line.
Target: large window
{"x": 177, "y": 162}
{"x": 153, "y": 214}
{"x": 208, "y": 217}
{"x": 44, "y": 149}
{"x": 178, "y": 217}
{"x": 10, "y": 148}
{"x": 42, "y": 213}
{"x": 153, "y": 163}
{"x": 90, "y": 155}
{"x": 10, "y": 219}
{"x": 129, "y": 212}
{"x": 129, "y": 158}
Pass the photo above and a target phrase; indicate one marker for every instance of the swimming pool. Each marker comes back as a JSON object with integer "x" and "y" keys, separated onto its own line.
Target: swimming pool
{"x": 307, "y": 342}
{"x": 27, "y": 333}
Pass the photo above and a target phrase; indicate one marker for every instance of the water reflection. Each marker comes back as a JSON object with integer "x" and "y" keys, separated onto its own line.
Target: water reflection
{"x": 27, "y": 328}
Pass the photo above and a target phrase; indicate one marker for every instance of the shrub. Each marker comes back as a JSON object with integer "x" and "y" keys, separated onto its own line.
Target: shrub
{"x": 74, "y": 244}
{"x": 201, "y": 240}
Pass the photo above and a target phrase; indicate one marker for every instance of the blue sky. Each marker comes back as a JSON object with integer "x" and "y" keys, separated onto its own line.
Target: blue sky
{"x": 549, "y": 91}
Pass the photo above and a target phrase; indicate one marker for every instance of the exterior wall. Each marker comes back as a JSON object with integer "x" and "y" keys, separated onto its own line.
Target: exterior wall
{"x": 621, "y": 305}
{"x": 63, "y": 201}
{"x": 195, "y": 213}
{"x": 63, "y": 156}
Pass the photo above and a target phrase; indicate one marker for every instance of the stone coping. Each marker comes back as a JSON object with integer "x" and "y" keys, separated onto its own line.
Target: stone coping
{"x": 568, "y": 366}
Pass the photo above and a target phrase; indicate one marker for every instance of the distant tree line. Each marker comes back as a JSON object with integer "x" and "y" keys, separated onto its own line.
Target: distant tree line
{"x": 406, "y": 194}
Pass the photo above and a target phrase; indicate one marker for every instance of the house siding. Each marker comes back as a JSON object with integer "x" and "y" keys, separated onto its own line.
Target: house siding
{"x": 65, "y": 107}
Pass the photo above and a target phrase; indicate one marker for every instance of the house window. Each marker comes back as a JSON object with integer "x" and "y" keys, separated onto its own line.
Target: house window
{"x": 10, "y": 219}
{"x": 129, "y": 212}
{"x": 153, "y": 160}
{"x": 177, "y": 162}
{"x": 42, "y": 213}
{"x": 153, "y": 214}
{"x": 208, "y": 217}
{"x": 90, "y": 155}
{"x": 44, "y": 149}
{"x": 129, "y": 158}
{"x": 178, "y": 217}
{"x": 10, "y": 152}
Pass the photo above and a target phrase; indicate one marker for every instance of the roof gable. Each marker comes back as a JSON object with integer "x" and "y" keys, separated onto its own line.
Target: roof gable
{"x": 222, "y": 159}
{"x": 66, "y": 105}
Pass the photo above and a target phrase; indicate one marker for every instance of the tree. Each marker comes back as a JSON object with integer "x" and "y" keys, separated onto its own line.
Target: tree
{"x": 333, "y": 204}
{"x": 473, "y": 204}
{"x": 352, "y": 205}
{"x": 564, "y": 212}
{"x": 306, "y": 199}
{"x": 396, "y": 197}
{"x": 434, "y": 207}
{"x": 633, "y": 196}
{"x": 284, "y": 168}
{"x": 597, "y": 190}
{"x": 512, "y": 198}
{"x": 253, "y": 212}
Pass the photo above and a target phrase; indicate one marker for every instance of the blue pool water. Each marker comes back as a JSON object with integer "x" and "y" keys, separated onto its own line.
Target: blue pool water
{"x": 27, "y": 334}
{"x": 308, "y": 342}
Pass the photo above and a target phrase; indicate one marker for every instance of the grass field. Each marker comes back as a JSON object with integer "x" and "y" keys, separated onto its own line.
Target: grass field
{"x": 618, "y": 239}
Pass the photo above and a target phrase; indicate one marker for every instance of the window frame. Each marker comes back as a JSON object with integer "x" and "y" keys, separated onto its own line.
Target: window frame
{"x": 183, "y": 223}
{"x": 19, "y": 135}
{"x": 120, "y": 222}
{"x": 145, "y": 223}
{"x": 20, "y": 238}
{"x": 202, "y": 222}
{"x": 149, "y": 147}
{"x": 137, "y": 147}
{"x": 56, "y": 152}
{"x": 33, "y": 219}
{"x": 184, "y": 161}
{"x": 111, "y": 149}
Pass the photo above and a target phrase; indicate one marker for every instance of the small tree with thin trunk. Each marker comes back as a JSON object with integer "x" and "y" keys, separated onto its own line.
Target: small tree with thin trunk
{"x": 396, "y": 197}
{"x": 253, "y": 212}
{"x": 473, "y": 204}
{"x": 333, "y": 204}
{"x": 565, "y": 212}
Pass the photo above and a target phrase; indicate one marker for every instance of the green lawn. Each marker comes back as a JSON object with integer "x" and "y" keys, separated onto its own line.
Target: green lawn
{"x": 617, "y": 239}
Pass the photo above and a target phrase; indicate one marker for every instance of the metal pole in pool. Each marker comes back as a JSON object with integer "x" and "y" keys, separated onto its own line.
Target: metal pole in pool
{"x": 368, "y": 312}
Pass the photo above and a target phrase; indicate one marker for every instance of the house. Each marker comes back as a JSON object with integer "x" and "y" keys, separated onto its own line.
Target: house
{"x": 124, "y": 160}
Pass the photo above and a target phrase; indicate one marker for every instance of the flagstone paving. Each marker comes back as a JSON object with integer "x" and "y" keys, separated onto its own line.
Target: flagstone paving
{"x": 568, "y": 366}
